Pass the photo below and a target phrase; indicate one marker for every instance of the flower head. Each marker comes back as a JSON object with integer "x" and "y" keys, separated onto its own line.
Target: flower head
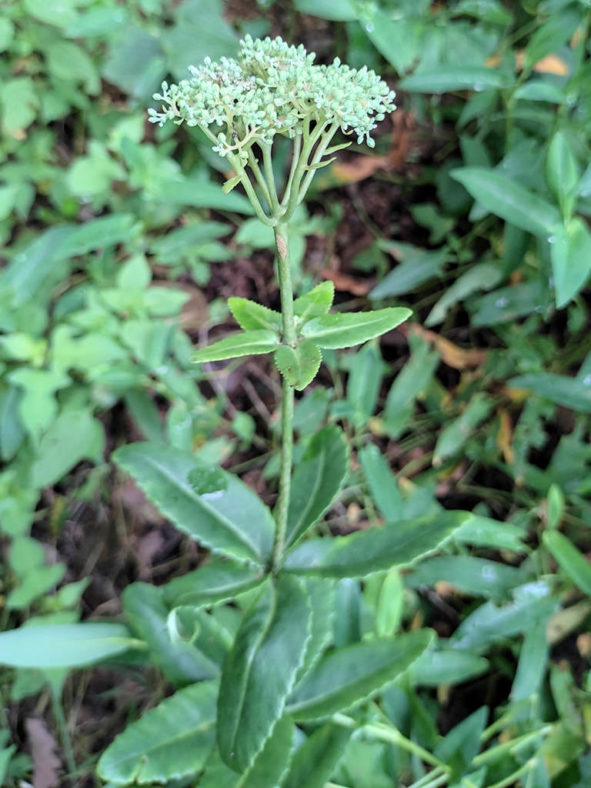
{"x": 274, "y": 88}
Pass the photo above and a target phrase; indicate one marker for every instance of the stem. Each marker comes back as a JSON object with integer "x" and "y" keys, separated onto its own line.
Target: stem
{"x": 254, "y": 166}
{"x": 64, "y": 733}
{"x": 289, "y": 337}
{"x": 270, "y": 176}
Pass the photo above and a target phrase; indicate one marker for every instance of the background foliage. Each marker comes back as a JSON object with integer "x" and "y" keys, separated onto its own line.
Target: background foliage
{"x": 118, "y": 244}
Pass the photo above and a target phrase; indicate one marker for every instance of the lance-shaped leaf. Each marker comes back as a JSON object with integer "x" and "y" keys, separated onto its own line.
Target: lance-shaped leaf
{"x": 180, "y": 662}
{"x": 246, "y": 343}
{"x": 252, "y": 316}
{"x": 383, "y": 547}
{"x": 215, "y": 581}
{"x": 260, "y": 670}
{"x": 273, "y": 761}
{"x": 321, "y": 592}
{"x": 352, "y": 674}
{"x": 315, "y": 761}
{"x": 345, "y": 330}
{"x": 298, "y": 364}
{"x": 572, "y": 562}
{"x": 172, "y": 740}
{"x": 316, "y": 481}
{"x": 63, "y": 645}
{"x": 214, "y": 507}
{"x": 315, "y": 303}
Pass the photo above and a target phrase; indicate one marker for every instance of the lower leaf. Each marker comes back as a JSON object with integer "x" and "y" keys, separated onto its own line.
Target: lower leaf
{"x": 315, "y": 761}
{"x": 298, "y": 364}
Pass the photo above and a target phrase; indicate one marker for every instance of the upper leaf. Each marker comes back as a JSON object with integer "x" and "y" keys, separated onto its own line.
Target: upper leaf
{"x": 170, "y": 741}
{"x": 246, "y": 343}
{"x": 345, "y": 330}
{"x": 571, "y": 259}
{"x": 509, "y": 200}
{"x": 252, "y": 316}
{"x": 316, "y": 481}
{"x": 315, "y": 303}
{"x": 352, "y": 674}
{"x": 357, "y": 555}
{"x": 218, "y": 510}
{"x": 260, "y": 670}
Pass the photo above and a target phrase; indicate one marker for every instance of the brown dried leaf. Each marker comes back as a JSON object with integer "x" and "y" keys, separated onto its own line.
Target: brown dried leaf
{"x": 452, "y": 355}
{"x": 43, "y": 752}
{"x": 346, "y": 283}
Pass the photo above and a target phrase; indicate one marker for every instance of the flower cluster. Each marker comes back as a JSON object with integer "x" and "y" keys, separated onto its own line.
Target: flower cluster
{"x": 272, "y": 88}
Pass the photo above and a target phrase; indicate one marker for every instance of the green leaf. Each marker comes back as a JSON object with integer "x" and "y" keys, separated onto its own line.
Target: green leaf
{"x": 246, "y": 343}
{"x": 345, "y": 330}
{"x": 383, "y": 547}
{"x": 448, "y": 78}
{"x": 298, "y": 364}
{"x": 469, "y": 574}
{"x": 350, "y": 675}
{"x": 417, "y": 267}
{"x": 508, "y": 199}
{"x": 315, "y": 303}
{"x": 572, "y": 562}
{"x": 569, "y": 392}
{"x": 316, "y": 481}
{"x": 562, "y": 172}
{"x": 486, "y": 532}
{"x": 251, "y": 316}
{"x": 571, "y": 260}
{"x": 462, "y": 744}
{"x": 172, "y": 740}
{"x": 273, "y": 761}
{"x": 216, "y": 581}
{"x": 315, "y": 761}
{"x": 260, "y": 670}
{"x": 454, "y": 436}
{"x": 321, "y": 593}
{"x": 180, "y": 662}
{"x": 218, "y": 510}
{"x": 449, "y": 666}
{"x": 336, "y": 10}
{"x": 67, "y": 646}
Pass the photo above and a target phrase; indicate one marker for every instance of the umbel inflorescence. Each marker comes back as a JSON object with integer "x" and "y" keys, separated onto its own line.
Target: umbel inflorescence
{"x": 274, "y": 88}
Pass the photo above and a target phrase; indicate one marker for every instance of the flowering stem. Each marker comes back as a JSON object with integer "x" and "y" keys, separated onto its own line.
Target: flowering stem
{"x": 289, "y": 337}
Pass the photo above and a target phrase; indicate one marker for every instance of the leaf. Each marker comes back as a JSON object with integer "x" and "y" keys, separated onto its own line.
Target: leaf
{"x": 68, "y": 646}
{"x": 486, "y": 532}
{"x": 316, "y": 481}
{"x": 572, "y": 562}
{"x": 298, "y": 364}
{"x": 448, "y": 78}
{"x": 417, "y": 267}
{"x": 506, "y": 198}
{"x": 224, "y": 514}
{"x": 569, "y": 392}
{"x": 170, "y": 741}
{"x": 251, "y": 316}
{"x": 180, "y": 662}
{"x": 316, "y": 302}
{"x": 482, "y": 276}
{"x": 345, "y": 330}
{"x": 381, "y": 482}
{"x": 454, "y": 436}
{"x": 321, "y": 593}
{"x": 562, "y": 172}
{"x": 570, "y": 253}
{"x": 316, "y": 759}
{"x": 469, "y": 574}
{"x": 350, "y": 675}
{"x": 273, "y": 761}
{"x": 462, "y": 744}
{"x": 383, "y": 547}
{"x": 246, "y": 343}
{"x": 260, "y": 670}
{"x": 216, "y": 581}
{"x": 337, "y": 10}
{"x": 449, "y": 666}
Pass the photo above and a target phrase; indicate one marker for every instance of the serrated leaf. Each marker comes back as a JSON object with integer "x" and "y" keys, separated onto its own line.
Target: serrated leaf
{"x": 216, "y": 581}
{"x": 273, "y": 761}
{"x": 315, "y": 303}
{"x": 48, "y": 646}
{"x": 315, "y": 761}
{"x": 508, "y": 199}
{"x": 383, "y": 547}
{"x": 316, "y": 481}
{"x": 259, "y": 671}
{"x": 321, "y": 593}
{"x": 251, "y": 316}
{"x": 170, "y": 741}
{"x": 346, "y": 330}
{"x": 246, "y": 343}
{"x": 230, "y": 520}
{"x": 180, "y": 662}
{"x": 350, "y": 675}
{"x": 298, "y": 364}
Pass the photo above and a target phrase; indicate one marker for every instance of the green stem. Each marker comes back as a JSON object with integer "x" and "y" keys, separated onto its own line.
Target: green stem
{"x": 64, "y": 733}
{"x": 289, "y": 337}
{"x": 254, "y": 166}
{"x": 270, "y": 177}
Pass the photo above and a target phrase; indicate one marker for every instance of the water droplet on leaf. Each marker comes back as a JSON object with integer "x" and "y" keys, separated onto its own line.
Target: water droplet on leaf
{"x": 206, "y": 481}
